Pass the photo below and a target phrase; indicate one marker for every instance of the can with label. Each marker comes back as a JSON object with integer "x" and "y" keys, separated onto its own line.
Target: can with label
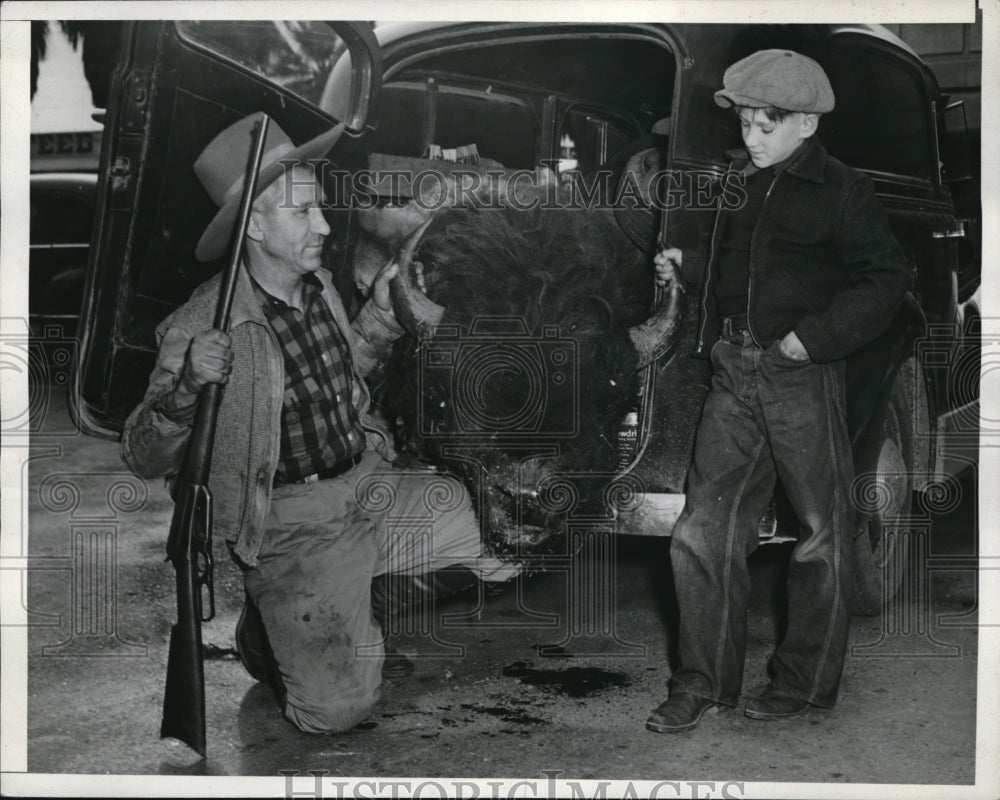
{"x": 628, "y": 439}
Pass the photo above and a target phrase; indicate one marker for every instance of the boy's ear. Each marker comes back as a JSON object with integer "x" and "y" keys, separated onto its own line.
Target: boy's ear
{"x": 810, "y": 123}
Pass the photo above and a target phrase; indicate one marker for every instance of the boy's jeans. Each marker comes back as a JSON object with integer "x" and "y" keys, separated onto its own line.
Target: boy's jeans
{"x": 766, "y": 416}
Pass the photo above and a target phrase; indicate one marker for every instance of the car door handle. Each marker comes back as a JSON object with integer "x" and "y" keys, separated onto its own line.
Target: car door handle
{"x": 121, "y": 174}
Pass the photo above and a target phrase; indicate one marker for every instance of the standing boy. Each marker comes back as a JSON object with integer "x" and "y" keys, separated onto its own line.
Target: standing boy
{"x": 800, "y": 276}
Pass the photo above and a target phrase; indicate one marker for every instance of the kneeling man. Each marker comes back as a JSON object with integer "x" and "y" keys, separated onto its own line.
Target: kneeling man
{"x": 303, "y": 491}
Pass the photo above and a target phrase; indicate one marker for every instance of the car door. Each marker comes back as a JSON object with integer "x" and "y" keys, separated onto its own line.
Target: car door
{"x": 885, "y": 124}
{"x": 176, "y": 86}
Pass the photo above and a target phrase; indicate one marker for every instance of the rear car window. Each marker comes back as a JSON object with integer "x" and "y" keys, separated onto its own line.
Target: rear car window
{"x": 573, "y": 98}
{"x": 502, "y": 128}
{"x": 632, "y": 75}
{"x": 881, "y": 121}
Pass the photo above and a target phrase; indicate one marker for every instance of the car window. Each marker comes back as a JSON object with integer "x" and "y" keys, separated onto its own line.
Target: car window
{"x": 295, "y": 55}
{"x": 502, "y": 128}
{"x": 882, "y": 120}
{"x": 588, "y": 138}
{"x": 59, "y": 218}
{"x": 634, "y": 76}
{"x": 577, "y": 99}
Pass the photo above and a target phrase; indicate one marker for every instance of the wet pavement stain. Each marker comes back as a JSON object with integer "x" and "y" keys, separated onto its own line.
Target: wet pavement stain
{"x": 573, "y": 682}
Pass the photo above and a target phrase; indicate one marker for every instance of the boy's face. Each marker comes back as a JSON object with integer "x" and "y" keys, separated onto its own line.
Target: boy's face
{"x": 770, "y": 143}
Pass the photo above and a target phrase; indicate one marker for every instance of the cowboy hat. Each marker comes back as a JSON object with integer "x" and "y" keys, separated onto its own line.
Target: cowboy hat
{"x": 221, "y": 167}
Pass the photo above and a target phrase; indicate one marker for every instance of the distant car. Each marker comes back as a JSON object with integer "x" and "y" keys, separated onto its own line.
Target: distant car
{"x": 62, "y": 214}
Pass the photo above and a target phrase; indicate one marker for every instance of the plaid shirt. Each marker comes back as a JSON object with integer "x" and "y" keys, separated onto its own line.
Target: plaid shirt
{"x": 319, "y": 424}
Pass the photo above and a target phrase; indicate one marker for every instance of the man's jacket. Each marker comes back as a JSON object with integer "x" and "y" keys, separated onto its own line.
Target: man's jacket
{"x": 248, "y": 431}
{"x": 823, "y": 261}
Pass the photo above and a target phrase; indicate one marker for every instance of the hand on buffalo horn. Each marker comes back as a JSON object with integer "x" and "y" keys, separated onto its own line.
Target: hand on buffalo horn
{"x": 415, "y": 310}
{"x": 380, "y": 290}
{"x": 667, "y": 264}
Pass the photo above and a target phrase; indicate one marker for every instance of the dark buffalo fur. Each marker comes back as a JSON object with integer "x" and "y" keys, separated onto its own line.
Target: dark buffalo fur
{"x": 572, "y": 271}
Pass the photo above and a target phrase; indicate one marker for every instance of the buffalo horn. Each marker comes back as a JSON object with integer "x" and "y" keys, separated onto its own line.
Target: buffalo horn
{"x": 658, "y": 334}
{"x": 415, "y": 311}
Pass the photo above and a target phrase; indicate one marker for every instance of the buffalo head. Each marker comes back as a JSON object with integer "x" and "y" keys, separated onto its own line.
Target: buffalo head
{"x": 528, "y": 330}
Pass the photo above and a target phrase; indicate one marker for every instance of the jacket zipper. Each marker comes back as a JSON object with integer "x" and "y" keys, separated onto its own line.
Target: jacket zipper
{"x": 753, "y": 236}
{"x": 706, "y": 283}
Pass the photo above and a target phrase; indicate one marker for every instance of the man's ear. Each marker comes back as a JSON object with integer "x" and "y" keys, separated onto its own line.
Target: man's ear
{"x": 253, "y": 227}
{"x": 810, "y": 123}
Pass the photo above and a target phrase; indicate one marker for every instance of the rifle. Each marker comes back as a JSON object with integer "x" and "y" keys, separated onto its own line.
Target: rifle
{"x": 189, "y": 546}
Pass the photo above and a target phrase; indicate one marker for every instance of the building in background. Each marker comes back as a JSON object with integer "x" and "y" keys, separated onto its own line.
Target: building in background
{"x": 71, "y": 66}
{"x": 955, "y": 54}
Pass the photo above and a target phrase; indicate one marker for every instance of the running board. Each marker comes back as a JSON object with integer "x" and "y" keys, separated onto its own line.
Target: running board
{"x": 655, "y": 514}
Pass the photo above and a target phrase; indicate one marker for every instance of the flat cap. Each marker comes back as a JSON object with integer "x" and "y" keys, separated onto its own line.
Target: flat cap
{"x": 780, "y": 78}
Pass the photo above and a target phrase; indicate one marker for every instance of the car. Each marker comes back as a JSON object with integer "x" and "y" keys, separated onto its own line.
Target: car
{"x": 62, "y": 214}
{"x": 572, "y": 96}
{"x": 61, "y": 221}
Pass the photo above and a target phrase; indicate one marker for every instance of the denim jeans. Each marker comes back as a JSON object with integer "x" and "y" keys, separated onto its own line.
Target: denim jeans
{"x": 766, "y": 417}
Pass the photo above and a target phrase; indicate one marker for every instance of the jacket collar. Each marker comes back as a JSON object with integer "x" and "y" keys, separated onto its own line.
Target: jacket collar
{"x": 247, "y": 305}
{"x": 807, "y": 164}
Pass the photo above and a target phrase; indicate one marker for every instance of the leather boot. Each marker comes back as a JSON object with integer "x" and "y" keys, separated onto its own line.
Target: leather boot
{"x": 392, "y": 593}
{"x": 384, "y": 597}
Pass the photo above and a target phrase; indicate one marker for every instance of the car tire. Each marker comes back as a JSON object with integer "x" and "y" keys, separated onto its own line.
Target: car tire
{"x": 879, "y": 548}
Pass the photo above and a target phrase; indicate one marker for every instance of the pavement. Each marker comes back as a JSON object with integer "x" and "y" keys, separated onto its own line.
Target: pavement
{"x": 556, "y": 671}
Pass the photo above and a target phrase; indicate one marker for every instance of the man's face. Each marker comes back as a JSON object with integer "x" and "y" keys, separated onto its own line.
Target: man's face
{"x": 290, "y": 226}
{"x": 770, "y": 143}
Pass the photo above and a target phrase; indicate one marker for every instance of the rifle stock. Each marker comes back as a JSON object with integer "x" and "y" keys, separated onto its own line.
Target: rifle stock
{"x": 189, "y": 546}
{"x": 184, "y": 696}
